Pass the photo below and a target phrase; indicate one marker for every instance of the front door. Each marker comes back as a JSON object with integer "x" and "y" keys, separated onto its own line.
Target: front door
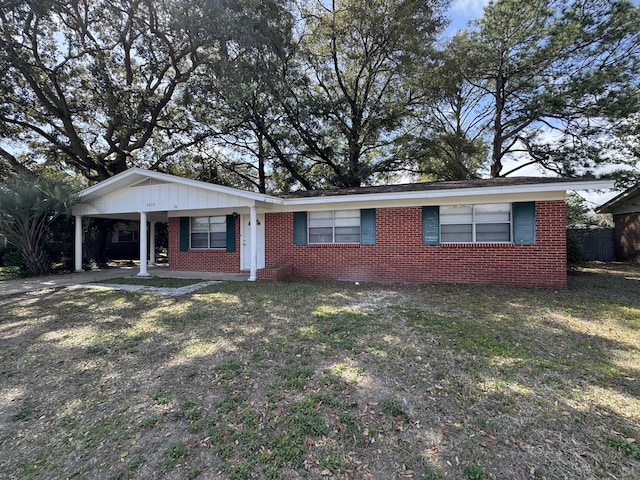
{"x": 245, "y": 239}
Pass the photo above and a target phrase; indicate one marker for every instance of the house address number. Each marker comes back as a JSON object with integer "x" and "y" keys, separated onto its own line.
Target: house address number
{"x": 151, "y": 204}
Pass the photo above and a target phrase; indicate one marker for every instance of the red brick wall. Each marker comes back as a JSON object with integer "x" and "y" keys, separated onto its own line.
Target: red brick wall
{"x": 399, "y": 254}
{"x": 201, "y": 260}
{"x": 627, "y": 229}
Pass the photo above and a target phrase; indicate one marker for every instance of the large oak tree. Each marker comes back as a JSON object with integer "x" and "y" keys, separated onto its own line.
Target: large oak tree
{"x": 93, "y": 85}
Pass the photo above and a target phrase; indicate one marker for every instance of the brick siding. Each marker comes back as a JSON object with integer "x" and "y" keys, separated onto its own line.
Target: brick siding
{"x": 627, "y": 229}
{"x": 399, "y": 255}
{"x": 201, "y": 260}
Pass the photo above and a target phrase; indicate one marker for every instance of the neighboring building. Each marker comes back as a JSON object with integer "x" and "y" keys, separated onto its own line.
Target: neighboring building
{"x": 503, "y": 231}
{"x": 625, "y": 209}
{"x": 124, "y": 241}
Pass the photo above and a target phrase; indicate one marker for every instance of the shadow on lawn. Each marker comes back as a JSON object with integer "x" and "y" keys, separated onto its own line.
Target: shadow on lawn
{"x": 318, "y": 380}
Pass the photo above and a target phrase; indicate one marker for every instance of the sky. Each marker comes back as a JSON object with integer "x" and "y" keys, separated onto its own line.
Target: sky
{"x": 462, "y": 12}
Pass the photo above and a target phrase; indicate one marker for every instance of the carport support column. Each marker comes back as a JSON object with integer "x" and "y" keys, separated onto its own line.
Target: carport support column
{"x": 78, "y": 243}
{"x": 253, "y": 246}
{"x": 152, "y": 243}
{"x": 143, "y": 245}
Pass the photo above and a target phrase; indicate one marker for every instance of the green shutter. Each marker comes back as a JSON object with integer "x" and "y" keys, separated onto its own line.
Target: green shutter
{"x": 430, "y": 225}
{"x": 300, "y": 228}
{"x": 368, "y": 226}
{"x": 231, "y": 233}
{"x": 184, "y": 234}
{"x": 524, "y": 223}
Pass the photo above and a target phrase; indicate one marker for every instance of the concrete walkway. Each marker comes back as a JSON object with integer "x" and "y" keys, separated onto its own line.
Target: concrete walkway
{"x": 24, "y": 285}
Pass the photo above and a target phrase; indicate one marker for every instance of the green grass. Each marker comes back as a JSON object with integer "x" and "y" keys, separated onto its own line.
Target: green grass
{"x": 325, "y": 380}
{"x": 158, "y": 282}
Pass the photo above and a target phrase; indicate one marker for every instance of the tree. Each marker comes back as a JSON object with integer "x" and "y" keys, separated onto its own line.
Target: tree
{"x": 28, "y": 207}
{"x": 93, "y": 86}
{"x": 335, "y": 109}
{"x": 456, "y": 122}
{"x": 553, "y": 69}
{"x": 235, "y": 93}
{"x": 351, "y": 96}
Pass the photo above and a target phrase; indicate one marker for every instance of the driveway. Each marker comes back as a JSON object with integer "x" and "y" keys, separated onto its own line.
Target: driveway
{"x": 32, "y": 284}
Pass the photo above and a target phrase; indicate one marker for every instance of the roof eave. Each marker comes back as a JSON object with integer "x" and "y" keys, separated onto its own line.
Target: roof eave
{"x": 447, "y": 193}
{"x": 609, "y": 206}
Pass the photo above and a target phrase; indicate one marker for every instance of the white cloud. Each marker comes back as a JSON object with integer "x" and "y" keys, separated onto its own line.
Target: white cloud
{"x": 470, "y": 8}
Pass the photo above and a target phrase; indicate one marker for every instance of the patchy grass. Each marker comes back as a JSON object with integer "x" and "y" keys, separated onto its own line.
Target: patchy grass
{"x": 325, "y": 380}
{"x": 158, "y": 282}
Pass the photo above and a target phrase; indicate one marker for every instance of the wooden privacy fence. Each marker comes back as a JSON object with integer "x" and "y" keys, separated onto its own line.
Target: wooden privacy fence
{"x": 597, "y": 243}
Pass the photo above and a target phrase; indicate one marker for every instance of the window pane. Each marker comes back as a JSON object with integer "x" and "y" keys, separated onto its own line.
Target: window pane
{"x": 125, "y": 236}
{"x": 199, "y": 240}
{"x": 493, "y": 232}
{"x": 217, "y": 224}
{"x": 456, "y": 233}
{"x": 456, "y": 214}
{"x": 493, "y": 213}
{"x": 347, "y": 218}
{"x": 321, "y": 235}
{"x": 348, "y": 234}
{"x": 200, "y": 224}
{"x": 218, "y": 239}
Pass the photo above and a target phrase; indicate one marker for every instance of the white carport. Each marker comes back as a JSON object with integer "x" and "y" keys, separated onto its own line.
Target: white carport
{"x": 151, "y": 197}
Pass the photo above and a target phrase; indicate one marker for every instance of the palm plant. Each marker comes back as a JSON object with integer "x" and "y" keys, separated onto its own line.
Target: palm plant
{"x": 28, "y": 206}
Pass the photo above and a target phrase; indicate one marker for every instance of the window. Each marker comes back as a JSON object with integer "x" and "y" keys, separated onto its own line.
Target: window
{"x": 127, "y": 236}
{"x": 208, "y": 232}
{"x": 334, "y": 226}
{"x": 475, "y": 223}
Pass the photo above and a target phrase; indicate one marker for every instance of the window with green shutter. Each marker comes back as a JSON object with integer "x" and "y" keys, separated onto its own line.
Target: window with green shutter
{"x": 524, "y": 223}
{"x": 217, "y": 232}
{"x": 335, "y": 226}
{"x": 184, "y": 234}
{"x": 430, "y": 225}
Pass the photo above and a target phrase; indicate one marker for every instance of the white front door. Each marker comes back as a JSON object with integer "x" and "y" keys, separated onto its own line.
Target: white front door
{"x": 245, "y": 239}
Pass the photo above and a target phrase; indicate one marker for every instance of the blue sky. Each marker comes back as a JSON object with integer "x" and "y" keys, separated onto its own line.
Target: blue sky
{"x": 463, "y": 11}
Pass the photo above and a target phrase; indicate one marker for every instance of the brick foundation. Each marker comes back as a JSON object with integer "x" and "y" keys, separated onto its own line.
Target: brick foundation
{"x": 277, "y": 272}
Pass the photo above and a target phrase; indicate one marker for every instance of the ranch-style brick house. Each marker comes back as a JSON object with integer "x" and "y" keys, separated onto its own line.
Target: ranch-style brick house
{"x": 501, "y": 231}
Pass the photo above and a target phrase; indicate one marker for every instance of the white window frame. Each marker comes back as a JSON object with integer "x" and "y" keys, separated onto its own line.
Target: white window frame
{"x": 342, "y": 217}
{"x": 212, "y": 221}
{"x": 475, "y": 222}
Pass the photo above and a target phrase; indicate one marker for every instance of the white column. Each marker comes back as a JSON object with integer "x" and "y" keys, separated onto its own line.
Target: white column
{"x": 253, "y": 245}
{"x": 143, "y": 245}
{"x": 78, "y": 243}
{"x": 152, "y": 243}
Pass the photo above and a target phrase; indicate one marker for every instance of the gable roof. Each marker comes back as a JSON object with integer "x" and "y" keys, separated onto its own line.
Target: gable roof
{"x": 139, "y": 176}
{"x": 627, "y": 202}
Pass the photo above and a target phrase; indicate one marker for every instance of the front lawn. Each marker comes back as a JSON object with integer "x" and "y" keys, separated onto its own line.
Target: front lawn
{"x": 322, "y": 380}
